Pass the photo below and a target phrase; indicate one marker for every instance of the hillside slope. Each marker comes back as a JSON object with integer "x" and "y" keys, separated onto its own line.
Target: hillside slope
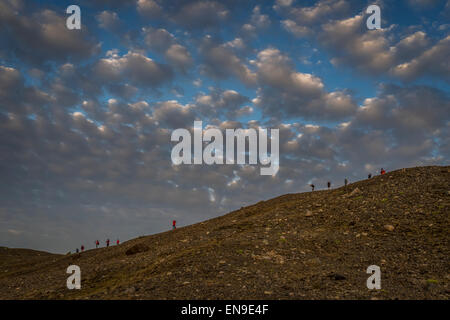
{"x": 314, "y": 245}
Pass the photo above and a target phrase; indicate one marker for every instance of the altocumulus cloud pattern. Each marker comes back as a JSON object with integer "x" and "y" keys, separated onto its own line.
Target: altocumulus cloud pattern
{"x": 86, "y": 115}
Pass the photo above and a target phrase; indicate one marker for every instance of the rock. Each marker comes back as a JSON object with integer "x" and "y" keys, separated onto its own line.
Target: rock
{"x": 314, "y": 261}
{"x": 354, "y": 192}
{"x": 389, "y": 227}
{"x": 267, "y": 292}
{"x": 430, "y": 284}
{"x": 308, "y": 213}
{"x": 336, "y": 276}
{"x": 130, "y": 290}
{"x": 137, "y": 248}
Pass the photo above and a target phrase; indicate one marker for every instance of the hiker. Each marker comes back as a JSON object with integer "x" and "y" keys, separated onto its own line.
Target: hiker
{"x": 107, "y": 242}
{"x": 382, "y": 171}
{"x": 174, "y": 224}
{"x": 345, "y": 182}
{"x": 82, "y": 248}
{"x": 312, "y": 187}
{"x": 117, "y": 242}
{"x": 369, "y": 176}
{"x": 77, "y": 250}
{"x": 329, "y": 184}
{"x": 97, "y": 243}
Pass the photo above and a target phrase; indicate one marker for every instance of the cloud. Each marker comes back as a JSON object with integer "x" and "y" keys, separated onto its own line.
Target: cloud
{"x": 15, "y": 232}
{"x": 222, "y": 103}
{"x": 319, "y": 13}
{"x": 258, "y": 19}
{"x": 411, "y": 111}
{"x": 368, "y": 51}
{"x": 297, "y": 30}
{"x": 284, "y": 3}
{"x": 41, "y": 36}
{"x": 149, "y": 8}
{"x": 424, "y": 3}
{"x": 285, "y": 92}
{"x": 10, "y": 79}
{"x": 258, "y": 22}
{"x": 220, "y": 62}
{"x": 432, "y": 62}
{"x": 137, "y": 68}
{"x": 174, "y": 115}
{"x": 109, "y": 21}
{"x": 201, "y": 14}
{"x": 179, "y": 56}
{"x": 158, "y": 39}
{"x": 162, "y": 41}
{"x": 106, "y": 3}
{"x": 373, "y": 52}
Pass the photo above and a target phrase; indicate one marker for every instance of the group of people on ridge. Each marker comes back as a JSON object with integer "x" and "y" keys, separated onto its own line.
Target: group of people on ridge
{"x": 382, "y": 171}
{"x": 97, "y": 243}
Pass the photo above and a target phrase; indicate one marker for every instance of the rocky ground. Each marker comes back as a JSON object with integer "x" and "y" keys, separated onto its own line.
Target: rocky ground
{"x": 314, "y": 245}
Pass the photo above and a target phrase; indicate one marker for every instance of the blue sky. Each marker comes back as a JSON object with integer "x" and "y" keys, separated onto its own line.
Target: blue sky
{"x": 86, "y": 115}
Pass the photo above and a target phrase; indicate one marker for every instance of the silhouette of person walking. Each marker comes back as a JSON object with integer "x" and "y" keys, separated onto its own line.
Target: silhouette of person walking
{"x": 174, "y": 224}
{"x": 369, "y": 176}
{"x": 312, "y": 187}
{"x": 107, "y": 242}
{"x": 97, "y": 243}
{"x": 345, "y": 182}
{"x": 329, "y": 184}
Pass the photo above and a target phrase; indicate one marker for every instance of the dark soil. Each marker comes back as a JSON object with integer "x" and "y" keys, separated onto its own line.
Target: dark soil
{"x": 314, "y": 245}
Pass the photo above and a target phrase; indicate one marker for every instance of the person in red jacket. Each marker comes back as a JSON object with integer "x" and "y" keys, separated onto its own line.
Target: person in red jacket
{"x": 97, "y": 243}
{"x": 382, "y": 171}
{"x": 82, "y": 248}
{"x": 107, "y": 242}
{"x": 117, "y": 242}
{"x": 174, "y": 224}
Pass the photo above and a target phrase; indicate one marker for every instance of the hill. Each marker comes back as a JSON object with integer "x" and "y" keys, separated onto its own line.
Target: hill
{"x": 314, "y": 245}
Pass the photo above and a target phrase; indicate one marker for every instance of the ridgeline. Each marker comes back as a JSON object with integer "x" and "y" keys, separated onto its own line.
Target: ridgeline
{"x": 313, "y": 245}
